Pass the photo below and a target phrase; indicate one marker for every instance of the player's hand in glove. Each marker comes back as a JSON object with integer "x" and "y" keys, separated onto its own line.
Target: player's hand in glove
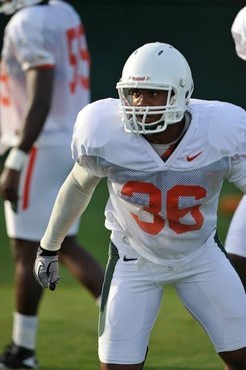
{"x": 46, "y": 268}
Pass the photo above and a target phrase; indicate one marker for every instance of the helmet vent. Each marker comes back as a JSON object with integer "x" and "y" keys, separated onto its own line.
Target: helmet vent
{"x": 160, "y": 52}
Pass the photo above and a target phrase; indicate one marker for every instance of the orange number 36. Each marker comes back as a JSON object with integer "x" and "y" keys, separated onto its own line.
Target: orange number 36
{"x": 174, "y": 213}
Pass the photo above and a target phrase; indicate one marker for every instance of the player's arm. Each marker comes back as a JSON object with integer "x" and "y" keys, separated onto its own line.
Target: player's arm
{"x": 238, "y": 177}
{"x": 39, "y": 82}
{"x": 238, "y": 173}
{"x": 71, "y": 201}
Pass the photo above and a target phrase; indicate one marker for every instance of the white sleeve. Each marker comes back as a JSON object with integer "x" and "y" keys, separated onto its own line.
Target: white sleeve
{"x": 32, "y": 41}
{"x": 71, "y": 201}
{"x": 238, "y": 173}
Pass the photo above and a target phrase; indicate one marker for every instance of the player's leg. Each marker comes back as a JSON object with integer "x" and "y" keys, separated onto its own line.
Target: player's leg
{"x": 27, "y": 296}
{"x": 234, "y": 360}
{"x": 39, "y": 185}
{"x": 235, "y": 243}
{"x": 214, "y": 294}
{"x": 239, "y": 264}
{"x": 28, "y": 291}
{"x": 82, "y": 265}
{"x": 25, "y": 226}
{"x": 121, "y": 367}
{"x": 130, "y": 303}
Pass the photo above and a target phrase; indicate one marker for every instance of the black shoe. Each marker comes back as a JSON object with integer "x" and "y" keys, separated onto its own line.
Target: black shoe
{"x": 17, "y": 357}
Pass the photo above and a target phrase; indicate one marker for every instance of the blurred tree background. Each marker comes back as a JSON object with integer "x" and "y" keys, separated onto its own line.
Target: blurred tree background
{"x": 199, "y": 29}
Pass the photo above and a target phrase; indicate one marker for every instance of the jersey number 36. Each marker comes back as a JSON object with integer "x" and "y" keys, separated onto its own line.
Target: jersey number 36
{"x": 174, "y": 213}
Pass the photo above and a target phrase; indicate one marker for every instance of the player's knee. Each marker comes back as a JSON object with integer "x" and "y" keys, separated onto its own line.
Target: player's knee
{"x": 235, "y": 360}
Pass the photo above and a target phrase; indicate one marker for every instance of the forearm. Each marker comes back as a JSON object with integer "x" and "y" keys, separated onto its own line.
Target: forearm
{"x": 39, "y": 96}
{"x": 72, "y": 200}
{"x": 30, "y": 131}
{"x": 39, "y": 91}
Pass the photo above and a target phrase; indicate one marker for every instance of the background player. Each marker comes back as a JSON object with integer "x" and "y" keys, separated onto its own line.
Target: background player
{"x": 235, "y": 240}
{"x": 165, "y": 157}
{"x": 44, "y": 83}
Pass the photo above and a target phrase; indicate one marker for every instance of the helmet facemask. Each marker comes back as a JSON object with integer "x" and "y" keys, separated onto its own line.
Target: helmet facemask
{"x": 136, "y": 117}
{"x": 155, "y": 66}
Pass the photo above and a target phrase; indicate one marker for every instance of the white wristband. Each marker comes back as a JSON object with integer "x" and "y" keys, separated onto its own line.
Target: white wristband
{"x": 16, "y": 159}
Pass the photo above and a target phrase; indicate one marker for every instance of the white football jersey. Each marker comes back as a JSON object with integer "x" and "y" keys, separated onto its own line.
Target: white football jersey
{"x": 238, "y": 31}
{"x": 48, "y": 36}
{"x": 168, "y": 209}
{"x": 236, "y": 235}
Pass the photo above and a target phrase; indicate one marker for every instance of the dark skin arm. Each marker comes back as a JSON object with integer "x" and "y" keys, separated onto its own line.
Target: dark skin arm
{"x": 39, "y": 83}
{"x": 239, "y": 264}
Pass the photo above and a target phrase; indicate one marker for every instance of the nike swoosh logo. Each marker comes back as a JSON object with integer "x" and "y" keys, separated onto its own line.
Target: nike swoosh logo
{"x": 193, "y": 157}
{"x": 129, "y": 259}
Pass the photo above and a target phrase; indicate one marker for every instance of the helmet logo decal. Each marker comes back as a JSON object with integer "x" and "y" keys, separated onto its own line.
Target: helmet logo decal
{"x": 139, "y": 78}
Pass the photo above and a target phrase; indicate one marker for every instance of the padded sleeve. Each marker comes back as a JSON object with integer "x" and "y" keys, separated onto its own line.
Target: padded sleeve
{"x": 71, "y": 201}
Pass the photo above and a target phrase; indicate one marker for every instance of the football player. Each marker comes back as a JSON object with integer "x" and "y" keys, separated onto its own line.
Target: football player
{"x": 165, "y": 157}
{"x": 235, "y": 243}
{"x": 45, "y": 68}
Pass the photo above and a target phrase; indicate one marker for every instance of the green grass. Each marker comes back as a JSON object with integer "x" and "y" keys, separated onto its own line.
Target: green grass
{"x": 67, "y": 336}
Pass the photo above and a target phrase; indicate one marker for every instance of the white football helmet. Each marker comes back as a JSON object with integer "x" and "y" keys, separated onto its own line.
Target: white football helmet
{"x": 9, "y": 7}
{"x": 155, "y": 66}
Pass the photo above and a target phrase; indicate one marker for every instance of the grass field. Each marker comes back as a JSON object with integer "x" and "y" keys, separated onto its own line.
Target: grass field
{"x": 67, "y": 337}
